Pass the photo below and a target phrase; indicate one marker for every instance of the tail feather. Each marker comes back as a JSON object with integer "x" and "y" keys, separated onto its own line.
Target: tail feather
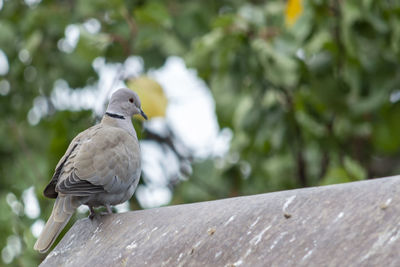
{"x": 63, "y": 209}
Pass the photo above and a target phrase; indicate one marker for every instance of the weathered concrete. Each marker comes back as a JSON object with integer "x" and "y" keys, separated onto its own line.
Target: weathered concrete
{"x": 355, "y": 224}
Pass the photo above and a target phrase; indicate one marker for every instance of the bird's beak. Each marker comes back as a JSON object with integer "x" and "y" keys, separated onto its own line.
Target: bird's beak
{"x": 143, "y": 115}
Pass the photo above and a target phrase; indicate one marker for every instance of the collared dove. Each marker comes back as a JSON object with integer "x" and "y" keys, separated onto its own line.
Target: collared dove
{"x": 101, "y": 167}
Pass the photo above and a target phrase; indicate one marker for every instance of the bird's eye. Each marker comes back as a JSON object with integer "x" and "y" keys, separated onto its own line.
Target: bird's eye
{"x": 131, "y": 100}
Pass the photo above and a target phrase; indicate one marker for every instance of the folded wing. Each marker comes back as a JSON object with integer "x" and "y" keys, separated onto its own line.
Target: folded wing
{"x": 104, "y": 159}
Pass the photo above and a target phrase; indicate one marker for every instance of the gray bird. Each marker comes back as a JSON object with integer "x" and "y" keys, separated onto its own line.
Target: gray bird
{"x": 101, "y": 167}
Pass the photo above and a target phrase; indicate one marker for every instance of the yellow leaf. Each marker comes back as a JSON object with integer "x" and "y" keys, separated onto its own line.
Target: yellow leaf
{"x": 294, "y": 9}
{"x": 154, "y": 102}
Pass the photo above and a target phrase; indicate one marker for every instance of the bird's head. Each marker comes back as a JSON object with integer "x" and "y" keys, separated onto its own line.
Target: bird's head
{"x": 125, "y": 102}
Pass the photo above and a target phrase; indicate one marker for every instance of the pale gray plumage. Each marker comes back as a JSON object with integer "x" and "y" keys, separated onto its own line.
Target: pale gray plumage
{"x": 101, "y": 167}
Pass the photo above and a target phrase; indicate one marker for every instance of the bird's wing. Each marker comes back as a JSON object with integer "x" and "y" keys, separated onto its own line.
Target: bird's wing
{"x": 106, "y": 160}
{"x": 71, "y": 152}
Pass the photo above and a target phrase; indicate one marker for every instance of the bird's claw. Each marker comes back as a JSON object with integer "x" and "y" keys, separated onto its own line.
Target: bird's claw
{"x": 92, "y": 213}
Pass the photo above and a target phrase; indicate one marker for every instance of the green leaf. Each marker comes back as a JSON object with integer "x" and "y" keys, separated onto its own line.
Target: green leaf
{"x": 153, "y": 13}
{"x": 354, "y": 169}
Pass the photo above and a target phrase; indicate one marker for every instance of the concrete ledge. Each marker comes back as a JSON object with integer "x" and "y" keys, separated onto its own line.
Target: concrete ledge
{"x": 354, "y": 224}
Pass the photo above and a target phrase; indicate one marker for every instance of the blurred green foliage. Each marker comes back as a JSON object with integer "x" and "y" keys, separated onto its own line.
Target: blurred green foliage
{"x": 309, "y": 104}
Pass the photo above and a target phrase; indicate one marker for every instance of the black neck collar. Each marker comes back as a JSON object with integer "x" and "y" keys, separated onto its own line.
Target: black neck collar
{"x": 117, "y": 116}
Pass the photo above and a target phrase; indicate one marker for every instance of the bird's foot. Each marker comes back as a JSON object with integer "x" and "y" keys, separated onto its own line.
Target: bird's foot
{"x": 92, "y": 213}
{"x": 108, "y": 212}
{"x": 108, "y": 207}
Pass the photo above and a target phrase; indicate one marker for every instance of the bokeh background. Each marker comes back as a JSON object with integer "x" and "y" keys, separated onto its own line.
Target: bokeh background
{"x": 245, "y": 97}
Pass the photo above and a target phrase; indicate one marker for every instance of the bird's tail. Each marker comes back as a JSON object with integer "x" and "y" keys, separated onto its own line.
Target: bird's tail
{"x": 63, "y": 209}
